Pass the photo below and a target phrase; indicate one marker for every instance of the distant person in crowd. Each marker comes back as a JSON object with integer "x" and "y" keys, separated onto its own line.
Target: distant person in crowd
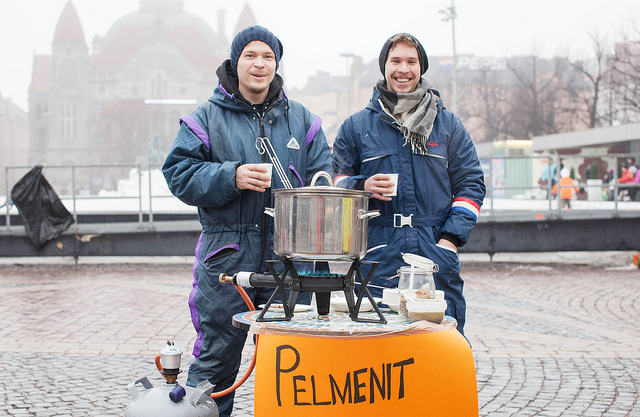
{"x": 625, "y": 177}
{"x": 213, "y": 164}
{"x": 633, "y": 188}
{"x": 636, "y": 181}
{"x": 567, "y": 188}
{"x": 548, "y": 173}
{"x": 407, "y": 130}
{"x": 609, "y": 182}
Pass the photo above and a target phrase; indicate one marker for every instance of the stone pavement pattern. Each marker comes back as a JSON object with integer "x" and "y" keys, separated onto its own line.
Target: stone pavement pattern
{"x": 548, "y": 339}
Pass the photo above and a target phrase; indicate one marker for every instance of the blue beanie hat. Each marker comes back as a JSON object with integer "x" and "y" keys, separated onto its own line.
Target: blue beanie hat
{"x": 422, "y": 55}
{"x": 250, "y": 34}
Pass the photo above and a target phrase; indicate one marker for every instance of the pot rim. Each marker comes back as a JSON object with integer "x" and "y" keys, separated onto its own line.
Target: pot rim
{"x": 322, "y": 190}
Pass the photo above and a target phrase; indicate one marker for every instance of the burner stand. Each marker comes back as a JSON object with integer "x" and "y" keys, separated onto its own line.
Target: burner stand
{"x": 322, "y": 285}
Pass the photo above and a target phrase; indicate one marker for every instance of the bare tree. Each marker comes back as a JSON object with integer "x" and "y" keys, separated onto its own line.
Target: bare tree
{"x": 525, "y": 99}
{"x": 489, "y": 108}
{"x": 624, "y": 78}
{"x": 533, "y": 98}
{"x": 584, "y": 92}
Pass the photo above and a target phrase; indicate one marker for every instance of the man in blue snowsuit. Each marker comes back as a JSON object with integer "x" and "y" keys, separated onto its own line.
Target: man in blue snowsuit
{"x": 213, "y": 165}
{"x": 406, "y": 129}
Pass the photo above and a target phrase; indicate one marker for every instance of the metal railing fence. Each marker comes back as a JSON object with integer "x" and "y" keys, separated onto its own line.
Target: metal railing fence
{"x": 512, "y": 179}
{"x": 512, "y": 188}
{"x": 137, "y": 200}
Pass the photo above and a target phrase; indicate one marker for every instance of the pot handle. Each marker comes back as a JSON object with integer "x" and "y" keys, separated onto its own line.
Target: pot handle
{"x": 365, "y": 215}
{"x": 269, "y": 211}
{"x": 319, "y": 174}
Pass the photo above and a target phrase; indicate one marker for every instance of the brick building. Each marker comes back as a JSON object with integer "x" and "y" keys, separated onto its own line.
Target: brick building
{"x": 14, "y": 141}
{"x": 120, "y": 101}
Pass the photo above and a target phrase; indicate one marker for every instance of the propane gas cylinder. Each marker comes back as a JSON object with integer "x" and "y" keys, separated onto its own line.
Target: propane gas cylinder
{"x": 170, "y": 400}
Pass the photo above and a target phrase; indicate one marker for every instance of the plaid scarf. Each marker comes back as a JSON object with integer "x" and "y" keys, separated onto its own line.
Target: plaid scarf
{"x": 413, "y": 113}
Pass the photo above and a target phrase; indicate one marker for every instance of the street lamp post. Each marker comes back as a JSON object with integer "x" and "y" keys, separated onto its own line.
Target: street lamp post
{"x": 450, "y": 14}
{"x": 346, "y": 56}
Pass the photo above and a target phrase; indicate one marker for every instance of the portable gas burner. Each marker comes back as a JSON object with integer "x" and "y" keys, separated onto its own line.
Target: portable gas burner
{"x": 319, "y": 283}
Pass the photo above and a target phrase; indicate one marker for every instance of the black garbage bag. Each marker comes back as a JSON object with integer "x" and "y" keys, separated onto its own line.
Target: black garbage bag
{"x": 43, "y": 214}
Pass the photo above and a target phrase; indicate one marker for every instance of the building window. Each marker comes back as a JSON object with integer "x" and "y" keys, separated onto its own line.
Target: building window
{"x": 158, "y": 86}
{"x": 42, "y": 139}
{"x": 42, "y": 111}
{"x": 68, "y": 121}
{"x": 68, "y": 74}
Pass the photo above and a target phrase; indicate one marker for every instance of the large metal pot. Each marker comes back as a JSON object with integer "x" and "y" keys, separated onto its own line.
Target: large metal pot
{"x": 320, "y": 222}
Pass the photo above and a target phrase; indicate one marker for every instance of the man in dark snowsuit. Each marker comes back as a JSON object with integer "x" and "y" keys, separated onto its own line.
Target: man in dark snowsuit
{"x": 213, "y": 165}
{"x": 406, "y": 129}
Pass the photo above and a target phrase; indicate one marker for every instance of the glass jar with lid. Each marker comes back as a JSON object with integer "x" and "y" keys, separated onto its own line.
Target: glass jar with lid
{"x": 414, "y": 284}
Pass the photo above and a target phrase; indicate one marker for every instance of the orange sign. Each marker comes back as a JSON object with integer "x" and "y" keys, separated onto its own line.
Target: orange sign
{"x": 425, "y": 374}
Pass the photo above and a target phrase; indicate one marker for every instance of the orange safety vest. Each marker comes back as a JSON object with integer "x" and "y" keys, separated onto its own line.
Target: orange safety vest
{"x": 567, "y": 187}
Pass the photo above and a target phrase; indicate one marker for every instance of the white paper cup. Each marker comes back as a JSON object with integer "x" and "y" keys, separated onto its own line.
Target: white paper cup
{"x": 394, "y": 178}
{"x": 269, "y": 168}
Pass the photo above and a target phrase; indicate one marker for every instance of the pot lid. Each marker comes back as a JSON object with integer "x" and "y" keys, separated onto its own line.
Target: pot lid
{"x": 322, "y": 190}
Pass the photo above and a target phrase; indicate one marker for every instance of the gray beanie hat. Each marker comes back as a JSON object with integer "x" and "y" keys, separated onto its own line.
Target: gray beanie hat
{"x": 422, "y": 55}
{"x": 250, "y": 34}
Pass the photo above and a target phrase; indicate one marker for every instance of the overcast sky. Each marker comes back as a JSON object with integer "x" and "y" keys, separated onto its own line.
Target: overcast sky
{"x": 314, "y": 34}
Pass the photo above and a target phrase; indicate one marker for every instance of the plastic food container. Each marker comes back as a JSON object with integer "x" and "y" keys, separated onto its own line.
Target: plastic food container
{"x": 429, "y": 310}
{"x": 391, "y": 297}
{"x": 339, "y": 303}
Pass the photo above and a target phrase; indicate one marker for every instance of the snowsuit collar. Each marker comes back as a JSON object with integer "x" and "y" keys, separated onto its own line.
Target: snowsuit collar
{"x": 228, "y": 83}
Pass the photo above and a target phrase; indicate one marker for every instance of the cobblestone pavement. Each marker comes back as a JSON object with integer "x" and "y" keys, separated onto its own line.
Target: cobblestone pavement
{"x": 548, "y": 339}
